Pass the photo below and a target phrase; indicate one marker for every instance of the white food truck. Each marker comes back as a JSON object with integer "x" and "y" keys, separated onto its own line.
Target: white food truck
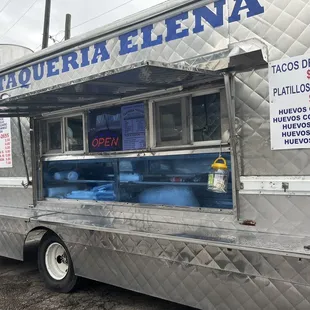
{"x": 168, "y": 154}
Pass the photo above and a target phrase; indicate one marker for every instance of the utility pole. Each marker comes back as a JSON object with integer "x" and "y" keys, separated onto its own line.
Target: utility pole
{"x": 46, "y": 26}
{"x": 68, "y": 27}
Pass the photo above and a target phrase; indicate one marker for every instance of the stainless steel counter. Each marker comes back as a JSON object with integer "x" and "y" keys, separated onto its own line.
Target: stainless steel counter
{"x": 194, "y": 233}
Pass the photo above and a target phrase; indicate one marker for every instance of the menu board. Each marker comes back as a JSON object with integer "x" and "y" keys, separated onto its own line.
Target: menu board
{"x": 5, "y": 143}
{"x": 133, "y": 127}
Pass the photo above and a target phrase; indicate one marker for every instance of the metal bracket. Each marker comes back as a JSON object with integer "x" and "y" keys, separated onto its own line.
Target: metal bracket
{"x": 285, "y": 186}
{"x": 276, "y": 185}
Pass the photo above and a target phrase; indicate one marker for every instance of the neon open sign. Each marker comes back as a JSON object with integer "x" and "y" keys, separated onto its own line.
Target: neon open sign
{"x": 106, "y": 141}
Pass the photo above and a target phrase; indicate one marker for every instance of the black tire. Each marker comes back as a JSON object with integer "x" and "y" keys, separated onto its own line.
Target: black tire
{"x": 68, "y": 283}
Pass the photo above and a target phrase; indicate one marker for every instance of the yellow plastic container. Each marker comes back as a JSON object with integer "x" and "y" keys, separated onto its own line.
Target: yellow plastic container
{"x": 218, "y": 176}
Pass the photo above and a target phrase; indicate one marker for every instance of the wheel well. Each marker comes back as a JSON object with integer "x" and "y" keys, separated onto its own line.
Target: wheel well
{"x": 33, "y": 239}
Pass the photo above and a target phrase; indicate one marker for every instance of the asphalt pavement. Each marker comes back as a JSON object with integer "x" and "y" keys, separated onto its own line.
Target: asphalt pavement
{"x": 22, "y": 288}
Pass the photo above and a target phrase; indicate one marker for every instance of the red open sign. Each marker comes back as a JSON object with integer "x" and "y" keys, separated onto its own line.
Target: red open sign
{"x": 106, "y": 142}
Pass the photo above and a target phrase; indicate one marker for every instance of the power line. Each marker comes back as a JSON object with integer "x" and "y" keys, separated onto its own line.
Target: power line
{"x": 23, "y": 15}
{"x": 100, "y": 15}
{"x": 39, "y": 47}
{"x": 4, "y": 7}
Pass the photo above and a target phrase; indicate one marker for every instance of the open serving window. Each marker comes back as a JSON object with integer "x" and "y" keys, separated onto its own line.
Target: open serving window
{"x": 152, "y": 152}
{"x": 155, "y": 146}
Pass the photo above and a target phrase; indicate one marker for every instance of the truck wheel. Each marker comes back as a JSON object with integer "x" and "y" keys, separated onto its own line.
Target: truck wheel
{"x": 55, "y": 264}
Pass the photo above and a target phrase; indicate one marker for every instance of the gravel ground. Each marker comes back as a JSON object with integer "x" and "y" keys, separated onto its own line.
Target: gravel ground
{"x": 22, "y": 288}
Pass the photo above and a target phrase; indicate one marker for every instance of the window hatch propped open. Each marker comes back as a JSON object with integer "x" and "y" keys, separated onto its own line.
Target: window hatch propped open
{"x": 135, "y": 79}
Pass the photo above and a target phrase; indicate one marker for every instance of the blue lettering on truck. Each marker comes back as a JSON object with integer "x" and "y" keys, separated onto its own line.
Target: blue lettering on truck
{"x": 128, "y": 43}
{"x": 253, "y": 8}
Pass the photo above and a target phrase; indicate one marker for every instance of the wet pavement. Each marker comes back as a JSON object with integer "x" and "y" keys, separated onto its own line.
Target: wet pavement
{"x": 21, "y": 288}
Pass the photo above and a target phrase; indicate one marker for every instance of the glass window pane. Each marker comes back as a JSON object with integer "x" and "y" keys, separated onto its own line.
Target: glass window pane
{"x": 75, "y": 133}
{"x": 43, "y": 135}
{"x": 80, "y": 180}
{"x": 170, "y": 122}
{"x": 180, "y": 181}
{"x": 54, "y": 136}
{"x": 206, "y": 117}
{"x": 117, "y": 128}
{"x": 133, "y": 127}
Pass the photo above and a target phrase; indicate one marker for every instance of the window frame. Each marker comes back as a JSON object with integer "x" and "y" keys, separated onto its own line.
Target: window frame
{"x": 65, "y": 140}
{"x": 64, "y": 146}
{"x": 210, "y": 142}
{"x": 47, "y": 123}
{"x": 187, "y": 118}
{"x": 151, "y": 131}
{"x": 183, "y": 101}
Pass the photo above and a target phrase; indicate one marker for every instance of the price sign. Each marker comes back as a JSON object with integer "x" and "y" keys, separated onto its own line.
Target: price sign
{"x": 5, "y": 143}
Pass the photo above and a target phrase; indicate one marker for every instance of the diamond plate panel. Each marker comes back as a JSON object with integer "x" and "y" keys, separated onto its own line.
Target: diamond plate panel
{"x": 12, "y": 237}
{"x": 252, "y": 111}
{"x": 11, "y": 245}
{"x": 284, "y": 27}
{"x": 277, "y": 267}
{"x": 277, "y": 214}
{"x": 204, "y": 277}
{"x": 13, "y": 225}
{"x": 191, "y": 273}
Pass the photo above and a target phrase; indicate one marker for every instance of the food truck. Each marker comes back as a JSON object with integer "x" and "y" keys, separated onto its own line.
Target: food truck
{"x": 168, "y": 154}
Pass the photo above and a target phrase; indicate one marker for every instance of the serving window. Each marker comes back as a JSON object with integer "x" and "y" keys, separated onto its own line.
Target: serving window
{"x": 137, "y": 153}
{"x": 179, "y": 180}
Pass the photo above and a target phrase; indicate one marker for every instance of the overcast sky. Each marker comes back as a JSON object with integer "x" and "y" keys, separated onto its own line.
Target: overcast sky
{"x": 21, "y": 21}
